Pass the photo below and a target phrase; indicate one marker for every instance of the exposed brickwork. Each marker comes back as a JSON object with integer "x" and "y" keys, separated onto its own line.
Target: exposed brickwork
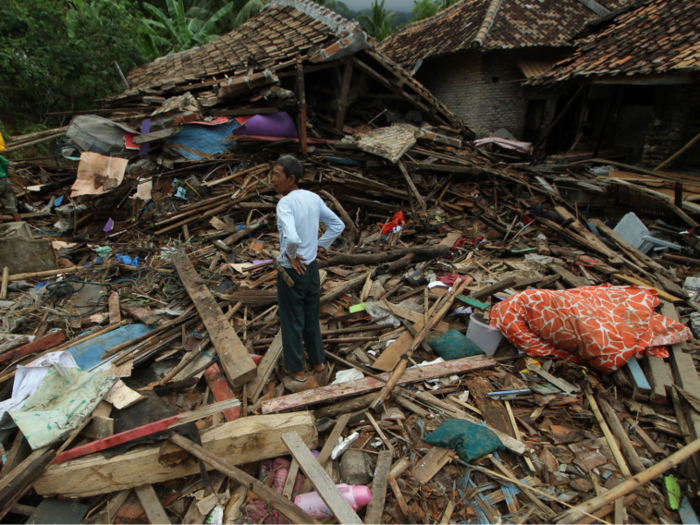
{"x": 465, "y": 82}
{"x": 668, "y": 131}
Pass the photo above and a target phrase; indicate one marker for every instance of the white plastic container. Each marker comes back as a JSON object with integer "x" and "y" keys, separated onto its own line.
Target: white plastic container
{"x": 485, "y": 336}
{"x": 356, "y": 495}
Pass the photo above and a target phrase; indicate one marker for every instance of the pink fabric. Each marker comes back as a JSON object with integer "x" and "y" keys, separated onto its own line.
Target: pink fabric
{"x": 257, "y": 511}
{"x": 600, "y": 326}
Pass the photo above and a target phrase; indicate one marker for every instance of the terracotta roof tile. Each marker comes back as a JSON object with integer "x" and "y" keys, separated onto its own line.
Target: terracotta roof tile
{"x": 516, "y": 24}
{"x": 651, "y": 37}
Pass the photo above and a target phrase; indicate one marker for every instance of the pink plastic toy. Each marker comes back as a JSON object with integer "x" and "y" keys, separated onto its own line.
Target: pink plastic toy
{"x": 356, "y": 495}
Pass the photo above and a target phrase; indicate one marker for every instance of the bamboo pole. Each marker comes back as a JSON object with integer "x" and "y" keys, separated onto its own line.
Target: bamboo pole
{"x": 627, "y": 486}
{"x": 608, "y": 435}
{"x": 678, "y": 153}
{"x": 635, "y": 463}
{"x": 5, "y": 277}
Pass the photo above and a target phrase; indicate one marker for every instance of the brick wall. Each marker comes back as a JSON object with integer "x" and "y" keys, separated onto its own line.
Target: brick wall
{"x": 669, "y": 128}
{"x": 482, "y": 88}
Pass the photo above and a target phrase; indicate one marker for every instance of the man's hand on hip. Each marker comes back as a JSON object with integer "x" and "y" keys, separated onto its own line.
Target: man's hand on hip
{"x": 297, "y": 264}
{"x": 321, "y": 255}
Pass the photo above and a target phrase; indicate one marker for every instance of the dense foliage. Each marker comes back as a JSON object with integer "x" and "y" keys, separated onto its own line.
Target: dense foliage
{"x": 56, "y": 56}
{"x": 61, "y": 55}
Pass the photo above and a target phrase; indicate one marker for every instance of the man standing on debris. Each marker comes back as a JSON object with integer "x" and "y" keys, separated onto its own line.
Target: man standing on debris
{"x": 298, "y": 283}
{"x": 7, "y": 194}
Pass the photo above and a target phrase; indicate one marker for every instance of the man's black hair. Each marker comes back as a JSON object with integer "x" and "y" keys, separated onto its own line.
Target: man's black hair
{"x": 291, "y": 166}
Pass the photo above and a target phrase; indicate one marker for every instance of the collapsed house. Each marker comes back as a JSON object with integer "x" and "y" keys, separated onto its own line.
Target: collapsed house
{"x": 476, "y": 55}
{"x": 642, "y": 90}
{"x": 150, "y": 353}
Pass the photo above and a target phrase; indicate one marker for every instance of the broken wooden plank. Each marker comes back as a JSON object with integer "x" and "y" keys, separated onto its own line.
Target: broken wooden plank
{"x": 121, "y": 396}
{"x": 375, "y": 508}
{"x": 277, "y": 501}
{"x": 242, "y": 441}
{"x": 221, "y": 390}
{"x": 115, "y": 315}
{"x": 146, "y": 430}
{"x": 369, "y": 384}
{"x": 622, "y": 243}
{"x": 41, "y": 344}
{"x": 151, "y": 504}
{"x": 432, "y": 463}
{"x": 17, "y": 482}
{"x": 328, "y": 447}
{"x": 569, "y": 278}
{"x": 612, "y": 257}
{"x": 659, "y": 376}
{"x": 324, "y": 485}
{"x": 564, "y": 386}
{"x": 233, "y": 355}
{"x": 488, "y": 291}
{"x": 156, "y": 135}
{"x": 265, "y": 368}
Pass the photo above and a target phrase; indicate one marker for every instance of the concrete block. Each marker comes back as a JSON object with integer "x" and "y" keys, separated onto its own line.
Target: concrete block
{"x": 356, "y": 467}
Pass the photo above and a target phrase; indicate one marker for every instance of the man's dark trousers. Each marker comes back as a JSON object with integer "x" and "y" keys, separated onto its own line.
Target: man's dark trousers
{"x": 300, "y": 313}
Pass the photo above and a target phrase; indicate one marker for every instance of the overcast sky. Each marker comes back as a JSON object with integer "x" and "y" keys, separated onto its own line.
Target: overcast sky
{"x": 396, "y": 5}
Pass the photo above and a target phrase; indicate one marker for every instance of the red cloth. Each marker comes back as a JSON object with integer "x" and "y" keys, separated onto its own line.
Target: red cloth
{"x": 397, "y": 220}
{"x": 599, "y": 326}
{"x": 451, "y": 279}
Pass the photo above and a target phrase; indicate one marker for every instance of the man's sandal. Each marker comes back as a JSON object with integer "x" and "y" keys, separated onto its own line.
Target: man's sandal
{"x": 299, "y": 379}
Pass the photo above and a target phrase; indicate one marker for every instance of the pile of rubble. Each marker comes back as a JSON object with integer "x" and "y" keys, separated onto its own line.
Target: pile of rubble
{"x": 141, "y": 343}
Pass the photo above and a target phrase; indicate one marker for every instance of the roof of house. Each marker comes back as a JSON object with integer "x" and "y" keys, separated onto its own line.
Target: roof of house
{"x": 271, "y": 42}
{"x": 282, "y": 30}
{"x": 652, "y": 37}
{"x": 493, "y": 24}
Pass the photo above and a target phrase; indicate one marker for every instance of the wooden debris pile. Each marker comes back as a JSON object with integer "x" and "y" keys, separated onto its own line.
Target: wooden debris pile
{"x": 165, "y": 284}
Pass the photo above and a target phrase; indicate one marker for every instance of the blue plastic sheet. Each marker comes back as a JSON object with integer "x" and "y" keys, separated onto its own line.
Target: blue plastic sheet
{"x": 198, "y": 142}
{"x": 88, "y": 354}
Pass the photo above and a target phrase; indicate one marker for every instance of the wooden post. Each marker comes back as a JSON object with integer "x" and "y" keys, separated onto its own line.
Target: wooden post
{"x": 301, "y": 96}
{"x": 344, "y": 95}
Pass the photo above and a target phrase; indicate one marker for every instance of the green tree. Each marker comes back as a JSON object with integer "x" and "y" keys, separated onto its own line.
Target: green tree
{"x": 60, "y": 56}
{"x": 427, "y": 8}
{"x": 179, "y": 30}
{"x": 379, "y": 23}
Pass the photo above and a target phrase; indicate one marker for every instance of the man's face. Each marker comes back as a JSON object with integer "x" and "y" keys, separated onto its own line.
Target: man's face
{"x": 280, "y": 181}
